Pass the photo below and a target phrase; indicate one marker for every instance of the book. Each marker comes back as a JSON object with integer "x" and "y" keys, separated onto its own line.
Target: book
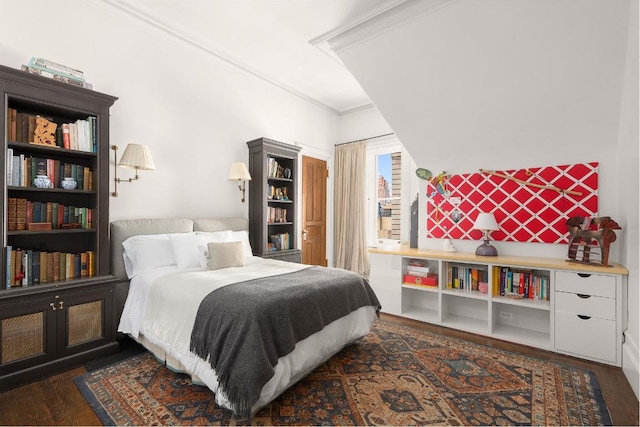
{"x": 418, "y": 268}
{"x": 12, "y": 214}
{"x": 45, "y": 64}
{"x": 21, "y": 214}
{"x": 63, "y": 266}
{"x": 91, "y": 263}
{"x": 428, "y": 280}
{"x": 8, "y": 251}
{"x": 30, "y": 267}
{"x": 17, "y": 267}
{"x": 35, "y": 270}
{"x": 54, "y": 76}
{"x": 84, "y": 269}
{"x": 43, "y": 267}
{"x": 25, "y": 268}
{"x": 70, "y": 260}
{"x": 56, "y": 266}
{"x": 49, "y": 270}
{"x": 13, "y": 130}
{"x": 66, "y": 137}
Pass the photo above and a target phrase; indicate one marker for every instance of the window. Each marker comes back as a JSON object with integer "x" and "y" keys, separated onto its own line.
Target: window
{"x": 388, "y": 195}
{"x": 392, "y": 186}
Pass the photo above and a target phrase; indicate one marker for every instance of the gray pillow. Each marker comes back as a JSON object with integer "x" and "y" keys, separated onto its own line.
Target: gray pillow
{"x": 224, "y": 255}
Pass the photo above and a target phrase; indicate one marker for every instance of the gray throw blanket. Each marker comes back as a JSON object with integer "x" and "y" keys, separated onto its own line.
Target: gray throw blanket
{"x": 243, "y": 328}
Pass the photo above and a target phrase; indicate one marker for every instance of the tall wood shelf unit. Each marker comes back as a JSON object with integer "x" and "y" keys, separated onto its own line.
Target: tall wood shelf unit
{"x": 273, "y": 205}
{"x": 51, "y": 326}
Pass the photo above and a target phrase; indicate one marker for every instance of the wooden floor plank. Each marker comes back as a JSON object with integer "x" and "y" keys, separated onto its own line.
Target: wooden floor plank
{"x": 57, "y": 401}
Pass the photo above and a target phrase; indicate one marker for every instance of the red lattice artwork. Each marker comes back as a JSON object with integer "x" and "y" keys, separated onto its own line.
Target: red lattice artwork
{"x": 524, "y": 212}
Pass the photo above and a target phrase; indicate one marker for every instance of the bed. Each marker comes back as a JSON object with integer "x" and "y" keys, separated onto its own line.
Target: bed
{"x": 246, "y": 327}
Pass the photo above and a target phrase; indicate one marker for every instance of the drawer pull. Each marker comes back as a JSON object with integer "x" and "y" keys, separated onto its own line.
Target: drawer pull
{"x": 583, "y": 296}
{"x": 583, "y": 317}
{"x": 584, "y": 274}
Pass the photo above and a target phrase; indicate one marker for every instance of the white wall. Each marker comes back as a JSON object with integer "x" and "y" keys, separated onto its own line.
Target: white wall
{"x": 500, "y": 84}
{"x": 194, "y": 111}
{"x": 629, "y": 198}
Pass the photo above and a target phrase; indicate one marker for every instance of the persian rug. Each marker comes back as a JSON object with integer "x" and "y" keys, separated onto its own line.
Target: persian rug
{"x": 396, "y": 375}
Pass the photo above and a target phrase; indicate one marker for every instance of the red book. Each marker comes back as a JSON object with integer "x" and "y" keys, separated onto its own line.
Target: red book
{"x": 429, "y": 280}
{"x": 66, "y": 138}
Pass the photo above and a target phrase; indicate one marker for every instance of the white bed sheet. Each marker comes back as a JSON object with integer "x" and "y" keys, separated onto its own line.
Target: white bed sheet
{"x": 172, "y": 346}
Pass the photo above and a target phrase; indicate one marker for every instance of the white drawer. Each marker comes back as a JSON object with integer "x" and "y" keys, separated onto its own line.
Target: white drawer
{"x": 603, "y": 308}
{"x": 590, "y": 284}
{"x": 591, "y": 338}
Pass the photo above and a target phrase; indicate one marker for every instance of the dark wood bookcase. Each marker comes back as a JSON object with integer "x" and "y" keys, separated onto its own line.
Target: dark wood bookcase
{"x": 52, "y": 325}
{"x": 273, "y": 205}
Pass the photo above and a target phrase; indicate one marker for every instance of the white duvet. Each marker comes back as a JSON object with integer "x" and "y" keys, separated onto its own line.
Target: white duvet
{"x": 162, "y": 304}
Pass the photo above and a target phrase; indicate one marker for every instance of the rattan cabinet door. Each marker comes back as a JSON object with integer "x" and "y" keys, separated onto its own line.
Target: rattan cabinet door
{"x": 27, "y": 332}
{"x": 84, "y": 319}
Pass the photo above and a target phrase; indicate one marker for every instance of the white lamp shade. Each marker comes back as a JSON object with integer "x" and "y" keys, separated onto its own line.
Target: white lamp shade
{"x": 137, "y": 156}
{"x": 485, "y": 221}
{"x": 239, "y": 171}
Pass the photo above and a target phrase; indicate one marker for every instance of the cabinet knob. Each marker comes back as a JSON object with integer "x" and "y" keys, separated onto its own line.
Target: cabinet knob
{"x": 53, "y": 306}
{"x": 583, "y": 296}
{"x": 62, "y": 305}
{"x": 583, "y": 317}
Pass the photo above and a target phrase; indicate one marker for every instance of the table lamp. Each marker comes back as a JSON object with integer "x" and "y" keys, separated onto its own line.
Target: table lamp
{"x": 487, "y": 223}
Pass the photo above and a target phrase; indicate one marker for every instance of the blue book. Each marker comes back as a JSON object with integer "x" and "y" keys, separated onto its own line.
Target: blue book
{"x": 8, "y": 264}
{"x": 37, "y": 208}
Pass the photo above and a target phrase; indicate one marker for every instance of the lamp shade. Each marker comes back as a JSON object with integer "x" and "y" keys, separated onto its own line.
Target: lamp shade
{"x": 239, "y": 171}
{"x": 137, "y": 156}
{"x": 485, "y": 221}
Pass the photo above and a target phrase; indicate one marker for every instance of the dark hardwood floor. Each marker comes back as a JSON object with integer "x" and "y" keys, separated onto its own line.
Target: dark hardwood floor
{"x": 57, "y": 401}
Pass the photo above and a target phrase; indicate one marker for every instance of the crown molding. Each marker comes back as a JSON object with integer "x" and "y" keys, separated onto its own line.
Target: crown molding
{"x": 394, "y": 15}
{"x": 357, "y": 109}
{"x": 165, "y": 27}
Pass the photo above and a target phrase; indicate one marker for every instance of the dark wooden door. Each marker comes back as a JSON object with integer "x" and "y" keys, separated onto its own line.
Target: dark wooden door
{"x": 314, "y": 211}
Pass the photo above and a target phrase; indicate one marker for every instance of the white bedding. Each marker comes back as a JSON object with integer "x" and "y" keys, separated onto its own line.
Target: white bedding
{"x": 161, "y": 307}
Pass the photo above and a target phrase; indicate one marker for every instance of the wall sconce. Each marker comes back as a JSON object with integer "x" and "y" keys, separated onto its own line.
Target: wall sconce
{"x": 135, "y": 156}
{"x": 487, "y": 223}
{"x": 239, "y": 171}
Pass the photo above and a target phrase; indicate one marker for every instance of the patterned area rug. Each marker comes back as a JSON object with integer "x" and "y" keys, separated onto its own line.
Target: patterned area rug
{"x": 397, "y": 375}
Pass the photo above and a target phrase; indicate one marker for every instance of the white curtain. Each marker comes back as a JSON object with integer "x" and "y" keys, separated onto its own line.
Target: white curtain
{"x": 350, "y": 216}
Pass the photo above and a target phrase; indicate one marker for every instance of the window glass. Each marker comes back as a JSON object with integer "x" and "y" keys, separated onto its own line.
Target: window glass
{"x": 388, "y": 195}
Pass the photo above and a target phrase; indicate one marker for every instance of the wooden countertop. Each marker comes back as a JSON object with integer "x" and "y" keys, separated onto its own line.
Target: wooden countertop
{"x": 506, "y": 260}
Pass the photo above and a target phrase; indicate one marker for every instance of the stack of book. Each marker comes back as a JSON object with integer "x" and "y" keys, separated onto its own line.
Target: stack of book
{"x": 418, "y": 273}
{"x": 27, "y": 267}
{"x": 53, "y": 70}
{"x": 23, "y": 214}
{"x": 279, "y": 242}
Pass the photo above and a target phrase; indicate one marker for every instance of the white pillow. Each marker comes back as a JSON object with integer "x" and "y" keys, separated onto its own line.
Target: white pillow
{"x": 241, "y": 236}
{"x": 145, "y": 252}
{"x": 224, "y": 255}
{"x": 185, "y": 249}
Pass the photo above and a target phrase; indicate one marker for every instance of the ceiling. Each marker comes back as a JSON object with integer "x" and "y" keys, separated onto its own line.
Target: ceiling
{"x": 281, "y": 41}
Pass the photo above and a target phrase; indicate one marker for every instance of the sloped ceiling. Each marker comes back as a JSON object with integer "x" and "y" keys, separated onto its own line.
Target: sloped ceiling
{"x": 466, "y": 83}
{"x": 282, "y": 42}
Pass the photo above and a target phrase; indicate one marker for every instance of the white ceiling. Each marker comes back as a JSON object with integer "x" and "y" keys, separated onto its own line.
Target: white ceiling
{"x": 281, "y": 41}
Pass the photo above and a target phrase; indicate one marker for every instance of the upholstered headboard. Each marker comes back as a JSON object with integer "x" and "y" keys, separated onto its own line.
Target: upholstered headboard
{"x": 122, "y": 229}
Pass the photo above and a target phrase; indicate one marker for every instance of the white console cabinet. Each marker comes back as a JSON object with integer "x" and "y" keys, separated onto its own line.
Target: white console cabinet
{"x": 581, "y": 314}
